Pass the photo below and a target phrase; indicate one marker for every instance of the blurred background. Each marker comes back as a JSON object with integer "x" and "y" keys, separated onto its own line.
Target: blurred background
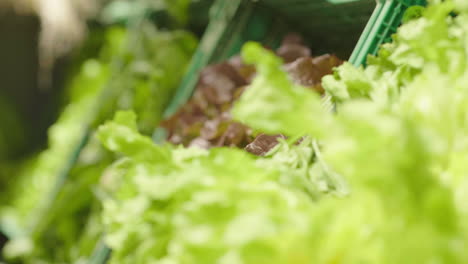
{"x": 41, "y": 42}
{"x": 54, "y": 53}
{"x": 38, "y": 40}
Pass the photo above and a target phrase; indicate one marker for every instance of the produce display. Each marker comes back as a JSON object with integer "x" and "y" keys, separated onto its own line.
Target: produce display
{"x": 381, "y": 179}
{"x": 279, "y": 157}
{"x": 397, "y": 139}
{"x": 205, "y": 121}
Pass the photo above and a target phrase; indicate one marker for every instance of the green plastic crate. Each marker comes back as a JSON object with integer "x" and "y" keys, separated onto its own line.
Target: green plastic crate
{"x": 328, "y": 26}
{"x": 380, "y": 29}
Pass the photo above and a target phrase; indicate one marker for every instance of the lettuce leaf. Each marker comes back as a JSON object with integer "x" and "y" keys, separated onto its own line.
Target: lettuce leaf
{"x": 72, "y": 213}
{"x": 399, "y": 122}
{"x": 190, "y": 205}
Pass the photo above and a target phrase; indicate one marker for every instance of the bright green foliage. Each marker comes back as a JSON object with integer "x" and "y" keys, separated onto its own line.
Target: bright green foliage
{"x": 400, "y": 122}
{"x": 144, "y": 82}
{"x": 395, "y": 150}
{"x": 38, "y": 179}
{"x": 176, "y": 205}
{"x": 394, "y": 157}
{"x": 413, "y": 12}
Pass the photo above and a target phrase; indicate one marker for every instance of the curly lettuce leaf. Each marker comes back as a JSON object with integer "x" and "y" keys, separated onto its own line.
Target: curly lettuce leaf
{"x": 191, "y": 207}
{"x": 146, "y": 85}
{"x": 399, "y": 123}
